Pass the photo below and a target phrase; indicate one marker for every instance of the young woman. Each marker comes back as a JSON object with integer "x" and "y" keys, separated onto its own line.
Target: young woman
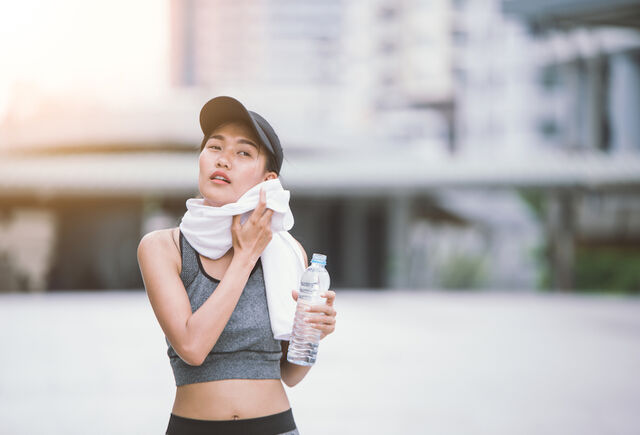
{"x": 228, "y": 367}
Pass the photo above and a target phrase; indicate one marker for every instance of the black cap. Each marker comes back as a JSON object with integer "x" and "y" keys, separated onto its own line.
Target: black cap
{"x": 222, "y": 109}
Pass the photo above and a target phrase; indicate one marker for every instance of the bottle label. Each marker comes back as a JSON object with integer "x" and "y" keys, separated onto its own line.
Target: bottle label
{"x": 309, "y": 293}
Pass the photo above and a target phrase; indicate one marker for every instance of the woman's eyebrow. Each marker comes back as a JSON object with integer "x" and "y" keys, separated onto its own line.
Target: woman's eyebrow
{"x": 248, "y": 142}
{"x": 245, "y": 141}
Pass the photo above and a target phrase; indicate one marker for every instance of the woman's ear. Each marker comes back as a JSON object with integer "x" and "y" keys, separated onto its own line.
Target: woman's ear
{"x": 271, "y": 176}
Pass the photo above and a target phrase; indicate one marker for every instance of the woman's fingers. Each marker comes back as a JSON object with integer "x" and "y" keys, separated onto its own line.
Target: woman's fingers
{"x": 322, "y": 308}
{"x": 255, "y": 234}
{"x": 328, "y": 307}
{"x": 322, "y": 320}
{"x": 330, "y": 295}
{"x": 294, "y": 294}
{"x": 235, "y": 222}
{"x": 325, "y": 324}
{"x": 258, "y": 216}
{"x": 259, "y": 210}
{"x": 266, "y": 218}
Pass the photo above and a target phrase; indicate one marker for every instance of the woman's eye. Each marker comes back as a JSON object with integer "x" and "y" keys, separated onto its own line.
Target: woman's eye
{"x": 245, "y": 153}
{"x": 215, "y": 146}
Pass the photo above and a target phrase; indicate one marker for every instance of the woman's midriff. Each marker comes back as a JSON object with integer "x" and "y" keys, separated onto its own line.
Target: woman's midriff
{"x": 231, "y": 399}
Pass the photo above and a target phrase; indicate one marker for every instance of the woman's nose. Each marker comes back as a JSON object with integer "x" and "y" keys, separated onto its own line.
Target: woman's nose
{"x": 222, "y": 161}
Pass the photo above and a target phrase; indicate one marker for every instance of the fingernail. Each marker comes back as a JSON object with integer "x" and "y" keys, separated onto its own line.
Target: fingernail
{"x": 307, "y": 308}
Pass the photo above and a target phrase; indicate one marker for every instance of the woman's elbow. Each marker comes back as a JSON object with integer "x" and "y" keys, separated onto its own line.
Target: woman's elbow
{"x": 288, "y": 382}
{"x": 291, "y": 384}
{"x": 287, "y": 377}
{"x": 194, "y": 361}
{"x": 191, "y": 355}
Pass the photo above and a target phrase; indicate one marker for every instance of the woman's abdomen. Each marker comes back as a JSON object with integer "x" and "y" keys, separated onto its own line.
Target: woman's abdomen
{"x": 230, "y": 399}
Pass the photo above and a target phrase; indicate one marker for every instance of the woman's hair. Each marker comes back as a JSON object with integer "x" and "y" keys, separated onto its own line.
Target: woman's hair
{"x": 270, "y": 166}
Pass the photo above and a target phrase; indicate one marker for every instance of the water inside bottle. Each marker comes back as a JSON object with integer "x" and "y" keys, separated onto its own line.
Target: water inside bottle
{"x": 305, "y": 338}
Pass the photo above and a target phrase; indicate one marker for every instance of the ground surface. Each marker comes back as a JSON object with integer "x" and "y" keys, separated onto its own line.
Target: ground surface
{"x": 399, "y": 363}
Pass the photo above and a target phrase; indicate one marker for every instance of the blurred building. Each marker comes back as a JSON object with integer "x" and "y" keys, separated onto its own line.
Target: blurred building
{"x": 565, "y": 75}
{"x": 283, "y": 52}
{"x": 82, "y": 198}
{"x": 408, "y": 128}
{"x": 384, "y": 70}
{"x": 401, "y": 59}
{"x": 271, "y": 42}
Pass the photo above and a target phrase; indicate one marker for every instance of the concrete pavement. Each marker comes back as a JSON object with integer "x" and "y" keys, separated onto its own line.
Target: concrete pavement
{"x": 425, "y": 362}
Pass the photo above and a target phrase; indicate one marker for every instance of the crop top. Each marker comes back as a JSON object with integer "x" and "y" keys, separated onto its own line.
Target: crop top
{"x": 246, "y": 348}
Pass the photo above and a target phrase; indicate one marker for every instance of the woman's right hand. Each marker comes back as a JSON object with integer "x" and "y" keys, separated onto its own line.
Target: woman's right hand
{"x": 250, "y": 239}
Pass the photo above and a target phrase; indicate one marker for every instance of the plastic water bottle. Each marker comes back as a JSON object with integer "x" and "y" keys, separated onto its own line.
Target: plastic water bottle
{"x": 303, "y": 345}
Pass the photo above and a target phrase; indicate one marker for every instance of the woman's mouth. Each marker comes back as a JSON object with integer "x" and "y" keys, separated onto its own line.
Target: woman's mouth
{"x": 220, "y": 177}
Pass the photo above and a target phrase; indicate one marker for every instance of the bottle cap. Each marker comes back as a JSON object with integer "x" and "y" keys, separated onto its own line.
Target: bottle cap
{"x": 319, "y": 258}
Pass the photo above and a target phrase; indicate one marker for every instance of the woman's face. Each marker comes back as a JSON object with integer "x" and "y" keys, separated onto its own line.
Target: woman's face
{"x": 231, "y": 149}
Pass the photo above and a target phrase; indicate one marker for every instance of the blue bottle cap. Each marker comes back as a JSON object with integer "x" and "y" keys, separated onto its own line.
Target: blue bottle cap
{"x": 319, "y": 258}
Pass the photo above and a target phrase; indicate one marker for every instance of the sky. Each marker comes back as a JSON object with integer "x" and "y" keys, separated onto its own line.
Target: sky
{"x": 81, "y": 48}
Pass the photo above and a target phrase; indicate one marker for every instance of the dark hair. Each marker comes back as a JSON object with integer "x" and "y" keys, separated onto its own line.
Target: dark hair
{"x": 270, "y": 166}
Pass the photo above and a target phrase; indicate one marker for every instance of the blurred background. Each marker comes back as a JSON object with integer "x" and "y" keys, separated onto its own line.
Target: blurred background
{"x": 479, "y": 155}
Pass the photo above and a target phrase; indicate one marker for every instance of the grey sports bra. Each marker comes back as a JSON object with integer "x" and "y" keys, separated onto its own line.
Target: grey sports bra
{"x": 246, "y": 348}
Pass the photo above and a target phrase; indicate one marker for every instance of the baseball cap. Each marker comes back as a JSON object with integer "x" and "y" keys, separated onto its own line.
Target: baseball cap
{"x": 222, "y": 109}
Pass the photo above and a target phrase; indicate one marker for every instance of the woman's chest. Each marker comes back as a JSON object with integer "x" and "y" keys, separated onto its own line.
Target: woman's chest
{"x": 214, "y": 268}
{"x": 249, "y": 324}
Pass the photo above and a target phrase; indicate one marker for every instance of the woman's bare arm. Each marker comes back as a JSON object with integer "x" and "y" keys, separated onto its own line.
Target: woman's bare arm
{"x": 193, "y": 335}
{"x": 290, "y": 373}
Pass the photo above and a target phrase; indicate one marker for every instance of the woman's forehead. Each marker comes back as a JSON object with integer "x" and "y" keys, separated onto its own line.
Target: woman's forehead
{"x": 237, "y": 127}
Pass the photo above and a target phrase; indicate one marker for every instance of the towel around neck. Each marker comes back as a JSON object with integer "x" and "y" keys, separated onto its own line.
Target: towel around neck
{"x": 208, "y": 228}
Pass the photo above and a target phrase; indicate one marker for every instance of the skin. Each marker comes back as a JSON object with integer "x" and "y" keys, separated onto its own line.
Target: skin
{"x": 193, "y": 335}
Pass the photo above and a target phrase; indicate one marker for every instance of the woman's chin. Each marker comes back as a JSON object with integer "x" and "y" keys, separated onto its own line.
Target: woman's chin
{"x": 213, "y": 202}
{"x": 217, "y": 200}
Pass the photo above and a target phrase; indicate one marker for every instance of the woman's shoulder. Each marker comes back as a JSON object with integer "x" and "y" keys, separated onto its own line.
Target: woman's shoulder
{"x": 162, "y": 236}
{"x": 164, "y": 242}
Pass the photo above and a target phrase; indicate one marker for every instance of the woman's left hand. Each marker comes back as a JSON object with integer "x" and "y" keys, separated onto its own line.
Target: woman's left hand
{"x": 326, "y": 323}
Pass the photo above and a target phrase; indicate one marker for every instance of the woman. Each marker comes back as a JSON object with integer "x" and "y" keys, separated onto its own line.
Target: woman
{"x": 228, "y": 373}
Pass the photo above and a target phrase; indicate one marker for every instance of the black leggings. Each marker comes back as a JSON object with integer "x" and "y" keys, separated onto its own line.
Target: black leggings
{"x": 274, "y": 424}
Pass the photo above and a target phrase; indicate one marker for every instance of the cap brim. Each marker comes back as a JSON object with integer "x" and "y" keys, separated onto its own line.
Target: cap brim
{"x": 222, "y": 109}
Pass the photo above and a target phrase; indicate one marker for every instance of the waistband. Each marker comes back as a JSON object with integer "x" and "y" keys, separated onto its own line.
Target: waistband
{"x": 273, "y": 424}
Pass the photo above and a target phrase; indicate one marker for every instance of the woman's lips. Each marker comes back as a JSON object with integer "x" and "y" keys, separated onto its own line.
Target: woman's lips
{"x": 215, "y": 180}
{"x": 220, "y": 175}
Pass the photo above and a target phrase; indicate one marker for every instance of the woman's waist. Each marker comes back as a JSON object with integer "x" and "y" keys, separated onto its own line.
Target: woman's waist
{"x": 230, "y": 399}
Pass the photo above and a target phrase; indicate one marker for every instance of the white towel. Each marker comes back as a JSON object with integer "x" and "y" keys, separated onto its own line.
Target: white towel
{"x": 208, "y": 230}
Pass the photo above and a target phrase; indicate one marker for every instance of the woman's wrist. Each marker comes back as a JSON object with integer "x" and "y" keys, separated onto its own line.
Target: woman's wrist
{"x": 245, "y": 261}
